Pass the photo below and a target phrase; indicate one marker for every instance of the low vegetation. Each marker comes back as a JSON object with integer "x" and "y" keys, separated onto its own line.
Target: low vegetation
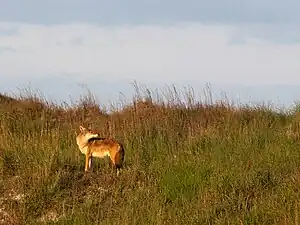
{"x": 187, "y": 162}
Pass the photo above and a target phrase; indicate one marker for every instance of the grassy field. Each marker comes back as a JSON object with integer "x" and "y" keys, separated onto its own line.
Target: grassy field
{"x": 187, "y": 162}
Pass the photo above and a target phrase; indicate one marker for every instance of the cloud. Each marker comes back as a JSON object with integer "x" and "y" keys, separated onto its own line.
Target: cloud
{"x": 273, "y": 33}
{"x": 185, "y": 52}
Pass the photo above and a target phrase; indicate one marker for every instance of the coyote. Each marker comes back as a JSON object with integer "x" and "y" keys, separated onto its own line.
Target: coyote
{"x": 92, "y": 145}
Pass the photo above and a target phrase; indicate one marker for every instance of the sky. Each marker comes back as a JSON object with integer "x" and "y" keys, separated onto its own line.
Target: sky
{"x": 248, "y": 49}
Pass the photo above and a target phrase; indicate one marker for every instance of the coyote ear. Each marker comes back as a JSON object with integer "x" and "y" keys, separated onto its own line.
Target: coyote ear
{"x": 81, "y": 128}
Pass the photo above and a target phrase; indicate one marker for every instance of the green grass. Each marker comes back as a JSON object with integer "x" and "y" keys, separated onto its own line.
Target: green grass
{"x": 185, "y": 163}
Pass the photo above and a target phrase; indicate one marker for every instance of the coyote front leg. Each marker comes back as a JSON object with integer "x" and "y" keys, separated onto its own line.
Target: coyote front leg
{"x": 88, "y": 161}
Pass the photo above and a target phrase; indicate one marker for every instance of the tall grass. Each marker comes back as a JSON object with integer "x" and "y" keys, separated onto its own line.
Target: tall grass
{"x": 187, "y": 162}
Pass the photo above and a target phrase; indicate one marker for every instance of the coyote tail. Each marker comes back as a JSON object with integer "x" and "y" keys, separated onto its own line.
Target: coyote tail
{"x": 119, "y": 157}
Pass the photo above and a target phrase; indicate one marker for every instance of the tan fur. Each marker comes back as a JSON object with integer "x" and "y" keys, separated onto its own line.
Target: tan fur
{"x": 92, "y": 145}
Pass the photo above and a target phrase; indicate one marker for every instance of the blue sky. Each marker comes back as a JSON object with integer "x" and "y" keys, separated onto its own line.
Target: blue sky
{"x": 151, "y": 11}
{"x": 246, "y": 48}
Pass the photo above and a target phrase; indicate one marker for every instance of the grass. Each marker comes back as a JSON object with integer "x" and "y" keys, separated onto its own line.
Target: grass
{"x": 187, "y": 162}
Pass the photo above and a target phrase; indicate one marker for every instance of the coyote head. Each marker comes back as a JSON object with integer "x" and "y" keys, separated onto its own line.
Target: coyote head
{"x": 87, "y": 133}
